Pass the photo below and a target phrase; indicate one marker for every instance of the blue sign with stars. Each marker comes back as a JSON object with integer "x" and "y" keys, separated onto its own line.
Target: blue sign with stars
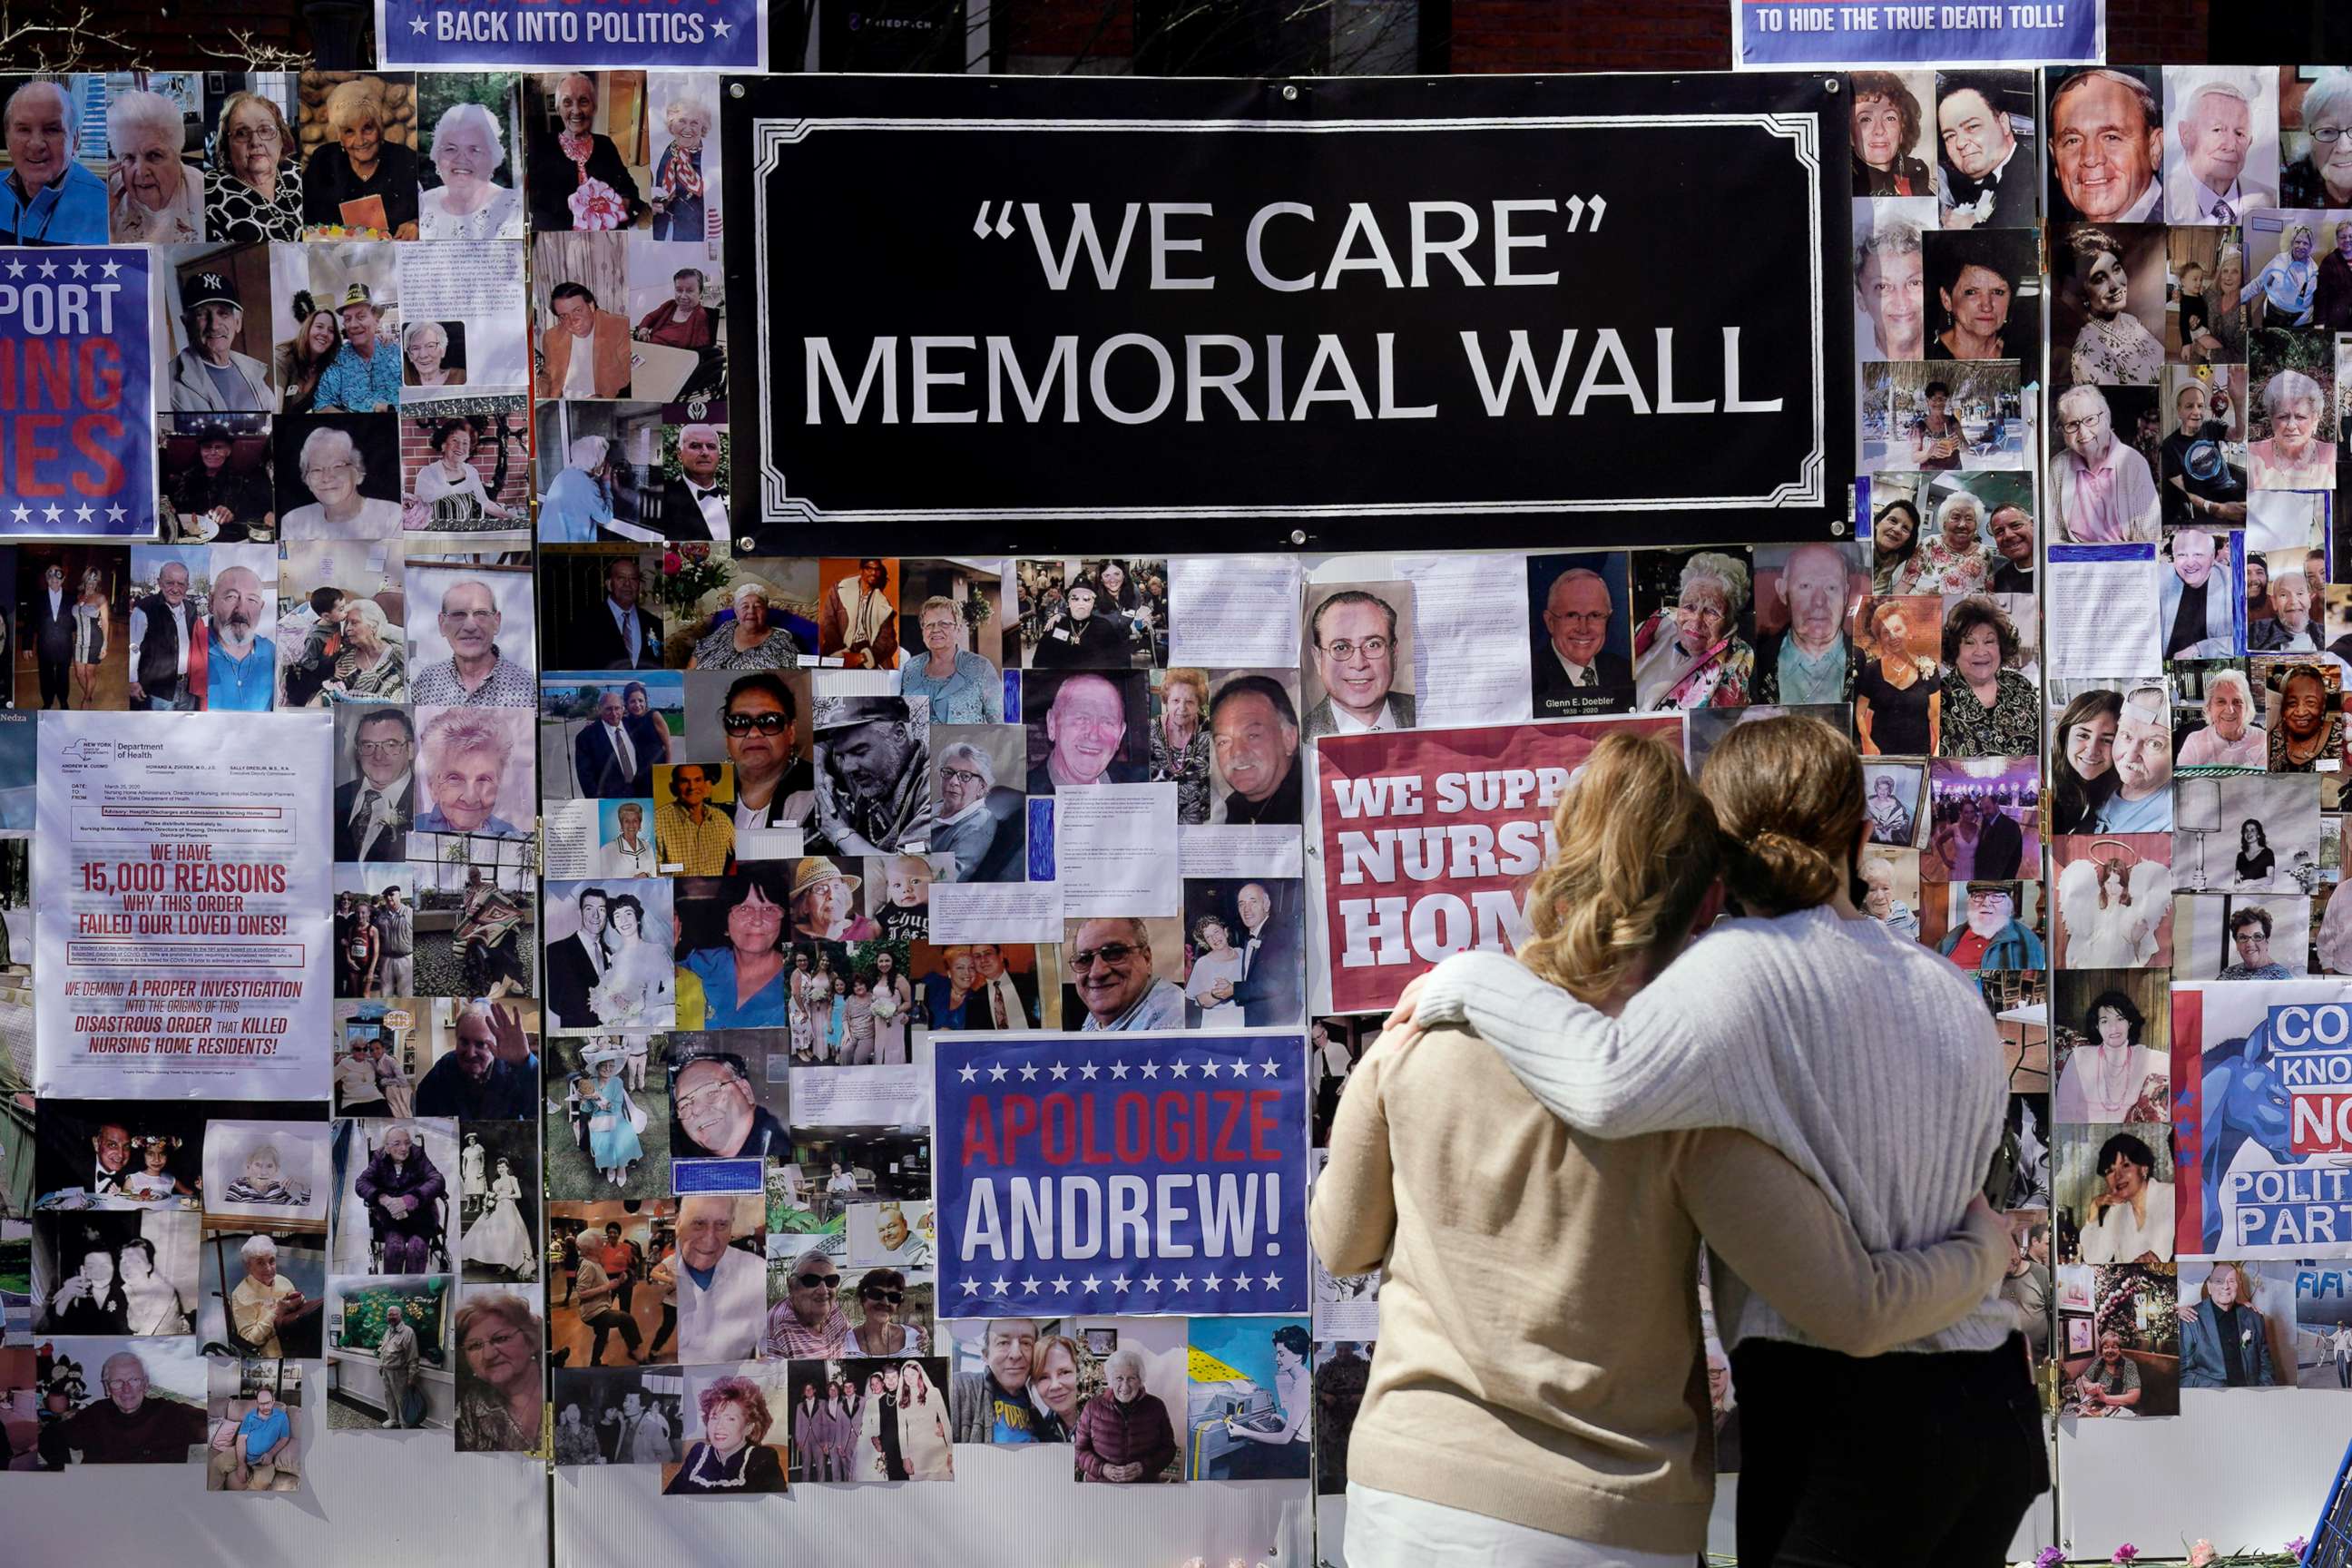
{"x": 682, "y": 35}
{"x": 1121, "y": 1174}
{"x": 77, "y": 430}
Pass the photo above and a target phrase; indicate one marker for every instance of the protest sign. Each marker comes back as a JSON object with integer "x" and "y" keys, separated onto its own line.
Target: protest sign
{"x": 507, "y": 35}
{"x": 2261, "y": 1116}
{"x": 181, "y": 920}
{"x": 1258, "y": 310}
{"x": 76, "y": 451}
{"x": 1785, "y": 35}
{"x": 1429, "y": 839}
{"x": 1117, "y": 1172}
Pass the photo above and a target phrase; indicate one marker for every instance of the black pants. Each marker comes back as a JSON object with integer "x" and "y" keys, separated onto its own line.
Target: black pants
{"x": 53, "y": 680}
{"x": 608, "y": 1322}
{"x": 668, "y": 1327}
{"x": 1925, "y": 1460}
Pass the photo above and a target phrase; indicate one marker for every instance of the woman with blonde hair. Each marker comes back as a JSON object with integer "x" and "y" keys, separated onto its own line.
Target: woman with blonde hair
{"x": 1547, "y": 1423}
{"x": 93, "y": 634}
{"x": 360, "y": 163}
{"x": 1775, "y": 1024}
{"x": 1054, "y": 1363}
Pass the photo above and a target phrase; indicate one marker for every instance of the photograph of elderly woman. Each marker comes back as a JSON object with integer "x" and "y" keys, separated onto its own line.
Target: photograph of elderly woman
{"x": 396, "y": 1196}
{"x": 608, "y": 1123}
{"x": 262, "y": 1294}
{"x": 2136, "y": 1364}
{"x": 2113, "y": 1191}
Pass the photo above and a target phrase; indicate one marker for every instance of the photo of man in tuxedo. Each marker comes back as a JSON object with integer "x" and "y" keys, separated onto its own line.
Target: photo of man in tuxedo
{"x": 48, "y": 625}
{"x": 618, "y": 633}
{"x": 1580, "y": 635}
{"x": 694, "y": 505}
{"x": 373, "y": 811}
{"x": 1270, "y": 989}
{"x": 1003, "y": 998}
{"x": 576, "y": 963}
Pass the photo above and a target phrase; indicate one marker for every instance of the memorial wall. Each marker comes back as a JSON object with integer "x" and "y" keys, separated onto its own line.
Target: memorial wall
{"x": 614, "y": 672}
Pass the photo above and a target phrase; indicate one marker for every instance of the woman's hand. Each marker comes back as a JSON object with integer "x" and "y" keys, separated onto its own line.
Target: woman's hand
{"x": 1400, "y": 1017}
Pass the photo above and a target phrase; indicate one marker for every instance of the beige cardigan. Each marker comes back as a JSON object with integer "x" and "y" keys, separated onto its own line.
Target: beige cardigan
{"x": 1539, "y": 1356}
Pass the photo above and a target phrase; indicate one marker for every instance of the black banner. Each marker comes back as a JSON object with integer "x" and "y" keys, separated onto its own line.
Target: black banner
{"x": 1218, "y": 314}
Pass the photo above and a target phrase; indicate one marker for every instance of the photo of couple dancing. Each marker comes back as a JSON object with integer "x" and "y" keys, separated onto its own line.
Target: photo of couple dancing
{"x": 1692, "y": 1046}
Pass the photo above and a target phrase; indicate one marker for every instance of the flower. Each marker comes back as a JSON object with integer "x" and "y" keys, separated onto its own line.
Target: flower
{"x": 2295, "y": 1548}
{"x": 2201, "y": 1552}
{"x": 597, "y": 205}
{"x": 2127, "y": 1552}
{"x": 2049, "y": 1557}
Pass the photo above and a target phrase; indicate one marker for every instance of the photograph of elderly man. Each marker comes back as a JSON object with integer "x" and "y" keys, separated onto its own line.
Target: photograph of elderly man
{"x": 1580, "y": 634}
{"x": 2106, "y": 144}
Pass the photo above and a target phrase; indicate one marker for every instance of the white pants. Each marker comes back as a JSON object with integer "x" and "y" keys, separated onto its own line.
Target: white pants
{"x": 1387, "y": 1530}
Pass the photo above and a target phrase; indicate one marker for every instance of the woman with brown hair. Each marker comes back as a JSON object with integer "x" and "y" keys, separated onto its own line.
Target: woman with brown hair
{"x": 1547, "y": 1423}
{"x": 1867, "y": 1060}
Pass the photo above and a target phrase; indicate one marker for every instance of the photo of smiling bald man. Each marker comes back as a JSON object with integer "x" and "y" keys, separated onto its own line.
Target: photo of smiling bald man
{"x": 1580, "y": 634}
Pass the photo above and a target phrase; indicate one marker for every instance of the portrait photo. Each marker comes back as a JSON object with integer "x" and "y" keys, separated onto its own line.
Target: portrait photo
{"x": 724, "y": 1104}
{"x": 260, "y": 1293}
{"x": 684, "y": 189}
{"x": 338, "y": 476}
{"x": 1694, "y": 634}
{"x": 2221, "y": 143}
{"x": 360, "y": 283}
{"x": 356, "y": 135}
{"x": 98, "y": 1272}
{"x": 609, "y": 956}
{"x": 213, "y": 477}
{"x": 607, "y": 1133}
{"x": 1892, "y": 890}
{"x": 2318, "y": 168}
{"x": 1983, "y": 293}
{"x": 2205, "y": 322}
{"x": 113, "y": 1400}
{"x": 470, "y": 636}
{"x": 1092, "y": 614}
{"x": 980, "y": 823}
{"x": 466, "y": 472}
{"x": 1120, "y": 973}
{"x": 2302, "y": 699}
{"x": 676, "y": 305}
{"x": 501, "y": 1371}
{"x": 2102, "y": 486}
{"x": 1243, "y": 943}
{"x": 1989, "y": 150}
{"x": 1984, "y": 819}
{"x": 274, "y": 1172}
{"x": 475, "y": 776}
{"x": 1357, "y": 673}
{"x": 736, "y": 1442}
{"x": 2228, "y": 936}
{"x": 470, "y": 145}
{"x": 1580, "y": 633}
{"x": 1984, "y": 925}
{"x": 608, "y": 736}
{"x": 2111, "y": 1033}
{"x": 586, "y": 156}
{"x": 601, "y": 608}
{"x": 2291, "y": 426}
{"x": 2107, "y": 309}
{"x": 1898, "y": 694}
{"x": 2255, "y": 834}
{"x": 213, "y": 327}
{"x": 396, "y": 1209}
{"x": 894, "y": 1233}
{"x": 2107, "y": 137}
{"x": 1088, "y": 727}
{"x": 2217, "y": 721}
{"x": 499, "y": 1236}
{"x": 2112, "y": 1192}
{"x": 72, "y": 626}
{"x": 2113, "y": 906}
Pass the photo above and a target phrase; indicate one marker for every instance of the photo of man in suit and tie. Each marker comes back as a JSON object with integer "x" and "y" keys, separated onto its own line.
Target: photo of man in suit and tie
{"x": 374, "y": 809}
{"x": 1246, "y": 953}
{"x": 605, "y": 760}
{"x": 1580, "y": 633}
{"x": 617, "y": 632}
{"x": 49, "y": 623}
{"x": 1360, "y": 660}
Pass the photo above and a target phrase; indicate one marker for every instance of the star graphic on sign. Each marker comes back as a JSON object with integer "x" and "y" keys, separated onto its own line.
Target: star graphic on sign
{"x": 1028, "y": 1072}
{"x": 1273, "y": 1281}
{"x": 16, "y": 268}
{"x": 722, "y": 28}
{"x": 971, "y": 1287}
{"x": 23, "y": 513}
{"x": 1090, "y": 1284}
{"x": 1152, "y": 1283}
{"x": 1182, "y": 1282}
{"x": 1120, "y": 1286}
{"x": 1177, "y": 1069}
{"x": 997, "y": 1073}
{"x": 1119, "y": 1069}
{"x": 1151, "y": 1069}
{"x": 1269, "y": 1068}
{"x": 1209, "y": 1069}
{"x": 48, "y": 269}
{"x": 52, "y": 512}
{"x": 115, "y": 514}
{"x": 1086, "y": 1071}
{"x": 84, "y": 513}
{"x": 1061, "y": 1286}
{"x": 416, "y": 23}
{"x": 111, "y": 268}
{"x": 1211, "y": 1283}
{"x": 1029, "y": 1286}
{"x": 80, "y": 267}
{"x": 1004, "y": 1286}
{"x": 1060, "y": 1072}
{"x": 1241, "y": 1282}
{"x": 966, "y": 1073}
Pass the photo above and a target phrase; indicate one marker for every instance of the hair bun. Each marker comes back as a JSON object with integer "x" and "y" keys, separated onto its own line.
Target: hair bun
{"x": 1774, "y": 873}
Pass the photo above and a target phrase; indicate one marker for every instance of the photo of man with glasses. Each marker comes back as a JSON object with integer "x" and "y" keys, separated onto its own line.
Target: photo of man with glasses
{"x": 373, "y": 811}
{"x": 1109, "y": 963}
{"x": 1356, "y": 649}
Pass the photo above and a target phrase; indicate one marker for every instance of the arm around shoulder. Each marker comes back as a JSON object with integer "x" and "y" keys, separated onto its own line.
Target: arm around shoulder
{"x": 1784, "y": 1238}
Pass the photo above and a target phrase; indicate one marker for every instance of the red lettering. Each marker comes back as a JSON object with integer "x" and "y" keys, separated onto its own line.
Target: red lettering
{"x": 1162, "y": 1129}
{"x": 1020, "y": 1116}
{"x": 1130, "y": 1121}
{"x": 31, "y": 453}
{"x": 978, "y": 1133}
{"x": 98, "y": 436}
{"x": 1231, "y": 1101}
{"x": 52, "y": 363}
{"x": 1262, "y": 1122}
{"x": 1088, "y": 1154}
{"x": 1061, "y": 1140}
{"x": 101, "y": 383}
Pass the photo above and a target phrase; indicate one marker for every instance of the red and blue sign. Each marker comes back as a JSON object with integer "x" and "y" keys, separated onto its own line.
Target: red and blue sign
{"x": 77, "y": 430}
{"x": 1121, "y": 1174}
{"x": 663, "y": 35}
